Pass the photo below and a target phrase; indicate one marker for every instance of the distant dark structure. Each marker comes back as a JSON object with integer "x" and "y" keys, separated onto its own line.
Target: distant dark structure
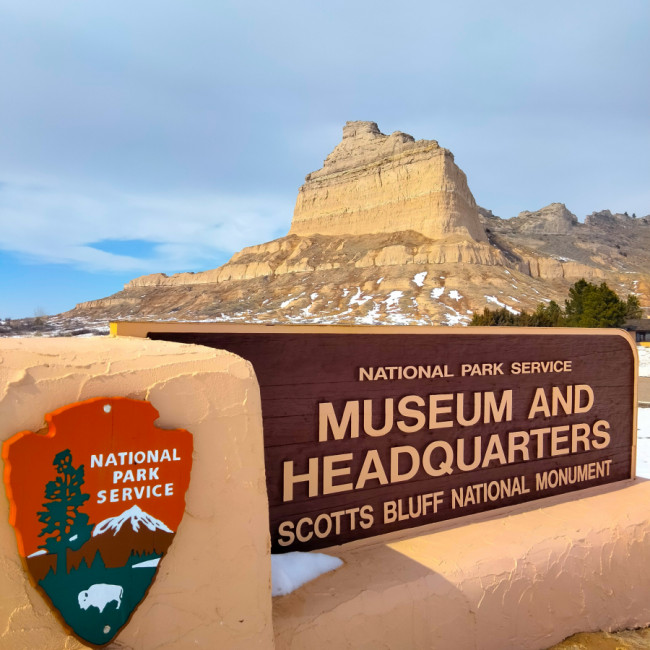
{"x": 640, "y": 327}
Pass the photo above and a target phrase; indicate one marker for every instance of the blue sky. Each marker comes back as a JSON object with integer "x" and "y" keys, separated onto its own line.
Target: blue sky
{"x": 162, "y": 137}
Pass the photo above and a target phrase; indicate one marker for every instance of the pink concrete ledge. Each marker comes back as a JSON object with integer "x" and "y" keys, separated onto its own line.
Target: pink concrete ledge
{"x": 525, "y": 579}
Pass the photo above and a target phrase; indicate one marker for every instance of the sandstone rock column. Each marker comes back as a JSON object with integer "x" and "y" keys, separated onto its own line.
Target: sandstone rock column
{"x": 375, "y": 183}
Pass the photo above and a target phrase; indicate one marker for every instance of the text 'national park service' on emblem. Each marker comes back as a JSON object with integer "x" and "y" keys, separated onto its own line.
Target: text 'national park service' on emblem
{"x": 95, "y": 504}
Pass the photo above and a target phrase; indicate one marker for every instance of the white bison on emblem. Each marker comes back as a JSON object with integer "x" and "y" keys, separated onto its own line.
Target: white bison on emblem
{"x": 100, "y": 595}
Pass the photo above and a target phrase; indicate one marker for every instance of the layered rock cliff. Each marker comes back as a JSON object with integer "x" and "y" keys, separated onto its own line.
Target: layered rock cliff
{"x": 389, "y": 232}
{"x": 374, "y": 183}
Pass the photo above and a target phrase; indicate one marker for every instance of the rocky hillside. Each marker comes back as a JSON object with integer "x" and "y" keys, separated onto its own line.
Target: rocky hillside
{"x": 616, "y": 243}
{"x": 388, "y": 232}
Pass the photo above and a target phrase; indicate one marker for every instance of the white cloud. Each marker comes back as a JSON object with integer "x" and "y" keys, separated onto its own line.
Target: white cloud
{"x": 49, "y": 223}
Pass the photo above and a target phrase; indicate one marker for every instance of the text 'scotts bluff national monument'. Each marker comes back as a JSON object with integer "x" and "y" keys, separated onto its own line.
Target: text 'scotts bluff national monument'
{"x": 389, "y": 232}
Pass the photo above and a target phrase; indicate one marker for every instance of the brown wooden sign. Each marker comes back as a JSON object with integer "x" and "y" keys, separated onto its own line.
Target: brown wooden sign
{"x": 373, "y": 430}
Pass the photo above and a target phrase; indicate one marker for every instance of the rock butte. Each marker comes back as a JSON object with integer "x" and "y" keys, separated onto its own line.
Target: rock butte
{"x": 374, "y": 183}
{"x": 388, "y": 232}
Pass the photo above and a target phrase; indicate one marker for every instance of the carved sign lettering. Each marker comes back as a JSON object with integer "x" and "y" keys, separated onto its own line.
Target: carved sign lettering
{"x": 373, "y": 430}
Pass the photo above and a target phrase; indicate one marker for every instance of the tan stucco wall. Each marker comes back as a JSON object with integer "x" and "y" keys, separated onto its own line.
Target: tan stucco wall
{"x": 213, "y": 587}
{"x": 525, "y": 579}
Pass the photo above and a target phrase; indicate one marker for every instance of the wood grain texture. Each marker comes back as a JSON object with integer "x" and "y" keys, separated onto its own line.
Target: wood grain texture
{"x": 298, "y": 371}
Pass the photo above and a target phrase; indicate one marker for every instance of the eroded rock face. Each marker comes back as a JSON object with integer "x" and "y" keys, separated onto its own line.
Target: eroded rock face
{"x": 606, "y": 244}
{"x": 387, "y": 232}
{"x": 554, "y": 219}
{"x": 374, "y": 183}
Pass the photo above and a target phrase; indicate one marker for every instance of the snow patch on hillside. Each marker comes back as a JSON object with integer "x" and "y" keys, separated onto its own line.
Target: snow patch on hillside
{"x": 455, "y": 317}
{"x": 397, "y": 318}
{"x": 418, "y": 278}
{"x": 358, "y": 298}
{"x": 496, "y": 301}
{"x": 371, "y": 318}
{"x": 393, "y": 299}
{"x": 284, "y": 304}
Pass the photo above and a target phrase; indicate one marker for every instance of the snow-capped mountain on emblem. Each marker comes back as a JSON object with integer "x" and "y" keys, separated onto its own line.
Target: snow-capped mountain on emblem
{"x": 136, "y": 516}
{"x": 132, "y": 534}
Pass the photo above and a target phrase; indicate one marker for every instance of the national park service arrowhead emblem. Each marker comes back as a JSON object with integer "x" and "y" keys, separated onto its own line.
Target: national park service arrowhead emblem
{"x": 95, "y": 504}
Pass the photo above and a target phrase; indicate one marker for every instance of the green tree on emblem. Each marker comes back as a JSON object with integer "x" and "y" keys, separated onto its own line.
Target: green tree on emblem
{"x": 66, "y": 526}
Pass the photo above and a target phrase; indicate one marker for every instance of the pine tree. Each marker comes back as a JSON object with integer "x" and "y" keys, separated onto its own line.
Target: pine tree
{"x": 546, "y": 315}
{"x": 498, "y": 317}
{"x": 66, "y": 526}
{"x": 590, "y": 305}
{"x": 633, "y": 308}
{"x": 574, "y": 306}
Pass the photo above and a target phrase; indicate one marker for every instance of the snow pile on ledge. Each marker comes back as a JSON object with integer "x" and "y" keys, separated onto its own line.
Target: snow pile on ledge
{"x": 292, "y": 570}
